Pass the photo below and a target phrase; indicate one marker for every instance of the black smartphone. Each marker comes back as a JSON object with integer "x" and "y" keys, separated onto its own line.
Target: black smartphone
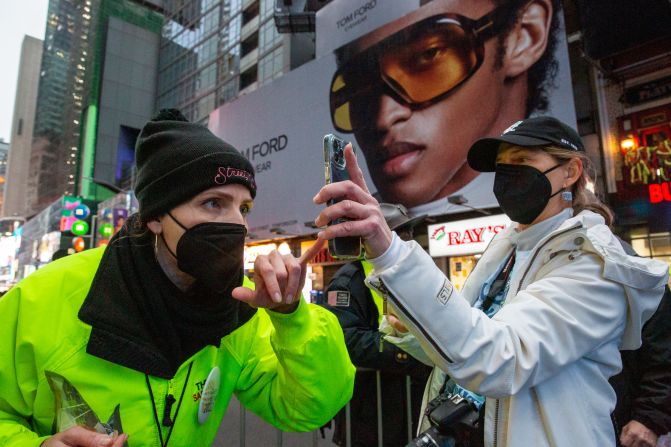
{"x": 335, "y": 170}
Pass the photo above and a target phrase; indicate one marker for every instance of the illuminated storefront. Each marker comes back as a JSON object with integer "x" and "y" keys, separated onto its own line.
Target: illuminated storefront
{"x": 457, "y": 245}
{"x": 645, "y": 143}
{"x": 630, "y": 85}
{"x": 642, "y": 202}
{"x": 58, "y": 230}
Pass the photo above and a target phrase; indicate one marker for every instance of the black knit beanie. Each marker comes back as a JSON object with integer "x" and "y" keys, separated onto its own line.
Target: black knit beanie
{"x": 177, "y": 160}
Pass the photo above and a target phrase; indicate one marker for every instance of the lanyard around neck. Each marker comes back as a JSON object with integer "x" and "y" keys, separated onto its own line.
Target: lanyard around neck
{"x": 169, "y": 400}
{"x": 499, "y": 283}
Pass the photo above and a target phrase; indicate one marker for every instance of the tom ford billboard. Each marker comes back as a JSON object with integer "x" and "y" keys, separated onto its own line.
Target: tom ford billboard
{"x": 412, "y": 94}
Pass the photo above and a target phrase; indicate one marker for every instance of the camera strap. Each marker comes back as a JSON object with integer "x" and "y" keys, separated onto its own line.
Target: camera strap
{"x": 499, "y": 283}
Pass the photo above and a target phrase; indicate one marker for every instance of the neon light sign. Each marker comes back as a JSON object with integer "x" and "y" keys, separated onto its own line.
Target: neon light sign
{"x": 660, "y": 192}
{"x": 649, "y": 164}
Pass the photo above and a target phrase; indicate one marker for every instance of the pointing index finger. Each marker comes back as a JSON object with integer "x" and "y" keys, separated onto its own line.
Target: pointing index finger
{"x": 311, "y": 252}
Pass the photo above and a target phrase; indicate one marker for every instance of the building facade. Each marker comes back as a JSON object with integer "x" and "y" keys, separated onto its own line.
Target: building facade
{"x": 214, "y": 50}
{"x": 630, "y": 69}
{"x": 4, "y": 150}
{"x": 96, "y": 89}
{"x": 65, "y": 57}
{"x": 18, "y": 159}
{"x": 120, "y": 98}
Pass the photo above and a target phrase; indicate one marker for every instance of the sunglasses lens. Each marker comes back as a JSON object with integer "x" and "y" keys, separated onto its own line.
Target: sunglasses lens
{"x": 418, "y": 65}
{"x": 340, "y": 104}
{"x": 431, "y": 64}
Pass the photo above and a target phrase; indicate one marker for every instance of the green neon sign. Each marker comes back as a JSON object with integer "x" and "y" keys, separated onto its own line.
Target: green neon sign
{"x": 106, "y": 230}
{"x": 80, "y": 228}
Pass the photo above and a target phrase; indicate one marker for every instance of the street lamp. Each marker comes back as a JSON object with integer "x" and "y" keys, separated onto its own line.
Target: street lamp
{"x": 459, "y": 199}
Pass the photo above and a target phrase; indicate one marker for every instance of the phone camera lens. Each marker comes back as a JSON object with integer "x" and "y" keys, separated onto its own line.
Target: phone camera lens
{"x": 339, "y": 159}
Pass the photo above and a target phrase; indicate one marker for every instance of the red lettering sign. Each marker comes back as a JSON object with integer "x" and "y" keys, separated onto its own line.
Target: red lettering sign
{"x": 660, "y": 192}
{"x": 470, "y": 236}
{"x": 478, "y": 232}
{"x": 453, "y": 238}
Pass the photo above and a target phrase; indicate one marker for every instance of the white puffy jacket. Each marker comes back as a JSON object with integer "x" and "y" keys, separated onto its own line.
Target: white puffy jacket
{"x": 543, "y": 361}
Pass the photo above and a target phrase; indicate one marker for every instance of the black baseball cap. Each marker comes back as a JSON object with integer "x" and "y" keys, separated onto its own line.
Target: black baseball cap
{"x": 538, "y": 131}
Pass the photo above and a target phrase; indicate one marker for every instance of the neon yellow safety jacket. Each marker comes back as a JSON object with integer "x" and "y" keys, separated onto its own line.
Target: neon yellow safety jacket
{"x": 293, "y": 370}
{"x": 377, "y": 299}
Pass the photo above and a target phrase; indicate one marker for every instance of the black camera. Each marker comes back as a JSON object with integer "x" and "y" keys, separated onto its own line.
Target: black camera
{"x": 452, "y": 417}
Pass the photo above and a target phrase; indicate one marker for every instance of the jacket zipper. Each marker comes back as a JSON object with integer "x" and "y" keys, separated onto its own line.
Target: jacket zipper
{"x": 533, "y": 258}
{"x": 496, "y": 423}
{"x": 384, "y": 311}
{"x": 384, "y": 291}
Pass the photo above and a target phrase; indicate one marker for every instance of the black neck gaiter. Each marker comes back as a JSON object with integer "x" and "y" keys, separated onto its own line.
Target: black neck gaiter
{"x": 141, "y": 320}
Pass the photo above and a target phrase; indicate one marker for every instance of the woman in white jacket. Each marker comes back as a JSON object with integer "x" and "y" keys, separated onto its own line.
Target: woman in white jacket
{"x": 539, "y": 344}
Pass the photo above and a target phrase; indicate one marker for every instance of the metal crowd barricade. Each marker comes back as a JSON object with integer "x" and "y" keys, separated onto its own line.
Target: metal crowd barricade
{"x": 315, "y": 435}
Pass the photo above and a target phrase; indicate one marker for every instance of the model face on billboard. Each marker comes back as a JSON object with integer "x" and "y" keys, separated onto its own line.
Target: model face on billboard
{"x": 419, "y": 91}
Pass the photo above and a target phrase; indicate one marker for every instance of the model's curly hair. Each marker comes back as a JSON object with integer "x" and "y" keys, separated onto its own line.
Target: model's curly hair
{"x": 541, "y": 75}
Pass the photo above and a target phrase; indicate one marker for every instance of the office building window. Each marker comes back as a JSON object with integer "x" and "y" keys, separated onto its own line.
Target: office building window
{"x": 248, "y": 77}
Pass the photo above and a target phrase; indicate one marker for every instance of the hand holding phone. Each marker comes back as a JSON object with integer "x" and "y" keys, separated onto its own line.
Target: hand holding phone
{"x": 335, "y": 170}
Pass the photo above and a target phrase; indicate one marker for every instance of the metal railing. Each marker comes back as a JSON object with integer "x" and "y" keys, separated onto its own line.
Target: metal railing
{"x": 261, "y": 433}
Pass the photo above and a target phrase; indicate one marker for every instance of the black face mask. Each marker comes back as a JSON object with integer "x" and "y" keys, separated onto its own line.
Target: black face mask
{"x": 212, "y": 253}
{"x": 522, "y": 191}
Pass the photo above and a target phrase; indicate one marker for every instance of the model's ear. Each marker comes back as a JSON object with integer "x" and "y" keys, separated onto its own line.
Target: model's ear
{"x": 155, "y": 226}
{"x": 527, "y": 41}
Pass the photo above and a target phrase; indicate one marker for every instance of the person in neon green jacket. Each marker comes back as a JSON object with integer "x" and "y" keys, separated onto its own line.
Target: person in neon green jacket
{"x": 144, "y": 342}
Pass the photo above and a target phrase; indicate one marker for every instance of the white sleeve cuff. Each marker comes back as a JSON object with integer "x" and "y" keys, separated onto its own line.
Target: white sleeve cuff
{"x": 396, "y": 250}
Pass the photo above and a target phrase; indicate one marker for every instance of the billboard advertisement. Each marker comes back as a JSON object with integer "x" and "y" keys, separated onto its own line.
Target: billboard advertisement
{"x": 342, "y": 21}
{"x": 412, "y": 94}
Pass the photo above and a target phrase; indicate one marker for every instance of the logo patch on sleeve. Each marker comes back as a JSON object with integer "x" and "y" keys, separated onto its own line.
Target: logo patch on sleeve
{"x": 338, "y": 298}
{"x": 445, "y": 292}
